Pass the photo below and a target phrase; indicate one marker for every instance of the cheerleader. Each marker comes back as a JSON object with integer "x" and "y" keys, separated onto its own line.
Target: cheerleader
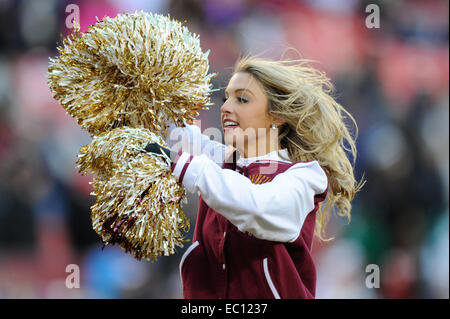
{"x": 259, "y": 211}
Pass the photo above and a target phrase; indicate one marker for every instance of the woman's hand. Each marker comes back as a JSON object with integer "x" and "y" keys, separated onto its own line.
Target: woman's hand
{"x": 158, "y": 149}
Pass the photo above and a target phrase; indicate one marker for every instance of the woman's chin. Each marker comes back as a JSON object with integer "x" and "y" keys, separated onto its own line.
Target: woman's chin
{"x": 229, "y": 140}
{"x": 228, "y": 136}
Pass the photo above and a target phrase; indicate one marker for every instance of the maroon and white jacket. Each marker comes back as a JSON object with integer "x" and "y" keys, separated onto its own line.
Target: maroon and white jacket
{"x": 255, "y": 226}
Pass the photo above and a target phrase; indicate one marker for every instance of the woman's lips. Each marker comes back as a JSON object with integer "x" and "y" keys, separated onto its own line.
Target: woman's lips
{"x": 226, "y": 122}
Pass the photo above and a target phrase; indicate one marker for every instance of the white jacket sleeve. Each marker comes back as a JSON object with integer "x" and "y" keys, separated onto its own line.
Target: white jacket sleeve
{"x": 191, "y": 140}
{"x": 272, "y": 211}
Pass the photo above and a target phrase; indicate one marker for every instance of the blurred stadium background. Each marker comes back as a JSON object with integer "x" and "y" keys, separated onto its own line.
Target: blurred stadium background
{"x": 393, "y": 79}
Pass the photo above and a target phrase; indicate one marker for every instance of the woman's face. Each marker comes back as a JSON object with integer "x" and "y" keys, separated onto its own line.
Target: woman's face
{"x": 245, "y": 106}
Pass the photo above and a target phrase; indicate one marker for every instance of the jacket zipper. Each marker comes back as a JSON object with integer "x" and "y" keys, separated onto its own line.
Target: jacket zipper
{"x": 269, "y": 280}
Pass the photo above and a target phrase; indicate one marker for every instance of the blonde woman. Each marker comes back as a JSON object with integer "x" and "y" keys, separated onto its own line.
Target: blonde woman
{"x": 258, "y": 214}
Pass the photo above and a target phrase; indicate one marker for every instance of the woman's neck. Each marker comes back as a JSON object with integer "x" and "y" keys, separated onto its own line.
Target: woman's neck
{"x": 259, "y": 150}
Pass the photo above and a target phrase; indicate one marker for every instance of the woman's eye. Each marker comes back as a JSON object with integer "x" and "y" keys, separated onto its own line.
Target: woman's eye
{"x": 242, "y": 99}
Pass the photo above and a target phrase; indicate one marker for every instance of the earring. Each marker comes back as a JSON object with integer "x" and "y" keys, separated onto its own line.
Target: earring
{"x": 274, "y": 126}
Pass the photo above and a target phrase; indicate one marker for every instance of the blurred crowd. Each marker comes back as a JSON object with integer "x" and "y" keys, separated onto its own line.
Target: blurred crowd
{"x": 393, "y": 79}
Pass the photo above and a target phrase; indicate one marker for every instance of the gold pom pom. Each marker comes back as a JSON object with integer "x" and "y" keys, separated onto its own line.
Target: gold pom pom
{"x": 138, "y": 202}
{"x": 136, "y": 70}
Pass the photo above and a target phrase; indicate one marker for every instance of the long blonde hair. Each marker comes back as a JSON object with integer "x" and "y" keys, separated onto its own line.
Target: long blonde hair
{"x": 314, "y": 127}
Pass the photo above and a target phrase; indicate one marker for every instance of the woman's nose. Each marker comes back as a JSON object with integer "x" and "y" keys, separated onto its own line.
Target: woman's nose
{"x": 226, "y": 108}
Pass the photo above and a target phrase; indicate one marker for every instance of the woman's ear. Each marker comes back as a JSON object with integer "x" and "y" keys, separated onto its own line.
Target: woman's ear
{"x": 277, "y": 122}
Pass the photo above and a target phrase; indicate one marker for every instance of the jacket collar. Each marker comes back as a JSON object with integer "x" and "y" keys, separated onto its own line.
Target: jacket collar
{"x": 272, "y": 156}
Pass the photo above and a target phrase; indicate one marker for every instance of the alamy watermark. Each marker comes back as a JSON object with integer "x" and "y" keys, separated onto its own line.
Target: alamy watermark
{"x": 73, "y": 278}
{"x": 209, "y": 142}
{"x": 373, "y": 19}
{"x": 73, "y": 19}
{"x": 373, "y": 277}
